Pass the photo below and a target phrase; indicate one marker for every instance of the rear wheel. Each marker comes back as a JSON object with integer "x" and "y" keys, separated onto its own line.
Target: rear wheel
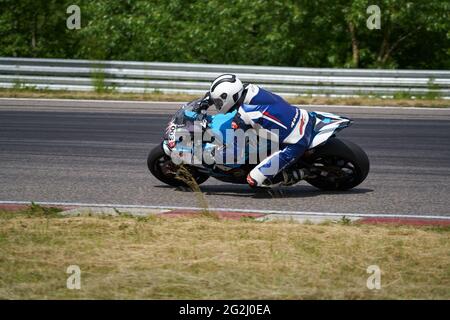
{"x": 162, "y": 167}
{"x": 338, "y": 165}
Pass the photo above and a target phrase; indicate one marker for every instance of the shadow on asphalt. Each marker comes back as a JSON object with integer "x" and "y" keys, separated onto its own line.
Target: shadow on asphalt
{"x": 235, "y": 190}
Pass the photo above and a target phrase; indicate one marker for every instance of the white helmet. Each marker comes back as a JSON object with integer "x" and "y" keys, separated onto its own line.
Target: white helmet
{"x": 225, "y": 91}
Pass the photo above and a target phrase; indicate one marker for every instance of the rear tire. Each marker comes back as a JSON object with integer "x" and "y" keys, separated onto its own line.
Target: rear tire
{"x": 343, "y": 165}
{"x": 161, "y": 167}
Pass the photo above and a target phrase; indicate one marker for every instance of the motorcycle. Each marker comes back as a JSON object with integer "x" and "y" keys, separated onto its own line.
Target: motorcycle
{"x": 334, "y": 164}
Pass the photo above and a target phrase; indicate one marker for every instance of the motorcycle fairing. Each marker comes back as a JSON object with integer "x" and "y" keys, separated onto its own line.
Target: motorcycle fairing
{"x": 327, "y": 124}
{"x": 219, "y": 124}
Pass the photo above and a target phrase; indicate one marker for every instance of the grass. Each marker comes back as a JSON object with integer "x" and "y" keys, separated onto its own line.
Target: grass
{"x": 204, "y": 258}
{"x": 99, "y": 83}
{"x": 109, "y": 93}
{"x": 184, "y": 175}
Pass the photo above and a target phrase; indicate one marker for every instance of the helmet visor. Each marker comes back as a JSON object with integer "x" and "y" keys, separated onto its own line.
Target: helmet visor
{"x": 218, "y": 103}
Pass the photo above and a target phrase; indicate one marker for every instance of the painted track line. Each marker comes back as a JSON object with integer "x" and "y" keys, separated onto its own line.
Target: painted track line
{"x": 267, "y": 212}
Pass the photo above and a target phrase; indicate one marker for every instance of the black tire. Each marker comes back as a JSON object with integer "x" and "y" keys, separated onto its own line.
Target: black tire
{"x": 335, "y": 154}
{"x": 157, "y": 155}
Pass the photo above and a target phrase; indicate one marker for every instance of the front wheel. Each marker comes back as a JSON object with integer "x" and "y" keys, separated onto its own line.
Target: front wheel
{"x": 162, "y": 168}
{"x": 338, "y": 165}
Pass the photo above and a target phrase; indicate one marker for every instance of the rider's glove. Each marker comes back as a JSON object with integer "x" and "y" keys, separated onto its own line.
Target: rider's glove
{"x": 204, "y": 104}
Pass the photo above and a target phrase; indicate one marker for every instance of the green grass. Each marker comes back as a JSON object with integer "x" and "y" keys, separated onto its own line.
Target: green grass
{"x": 206, "y": 258}
{"x": 99, "y": 83}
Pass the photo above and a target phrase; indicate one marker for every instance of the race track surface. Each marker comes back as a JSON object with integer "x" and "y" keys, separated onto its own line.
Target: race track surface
{"x": 95, "y": 152}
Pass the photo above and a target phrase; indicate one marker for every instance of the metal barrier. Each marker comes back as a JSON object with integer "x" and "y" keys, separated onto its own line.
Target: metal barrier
{"x": 128, "y": 76}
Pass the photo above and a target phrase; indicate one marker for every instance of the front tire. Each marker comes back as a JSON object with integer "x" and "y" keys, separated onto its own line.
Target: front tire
{"x": 339, "y": 165}
{"x": 163, "y": 169}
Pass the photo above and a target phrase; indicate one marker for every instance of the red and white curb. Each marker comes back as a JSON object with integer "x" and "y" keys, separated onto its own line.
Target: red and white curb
{"x": 74, "y": 208}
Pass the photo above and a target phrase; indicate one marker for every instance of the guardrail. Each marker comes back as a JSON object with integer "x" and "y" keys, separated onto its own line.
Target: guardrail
{"x": 139, "y": 77}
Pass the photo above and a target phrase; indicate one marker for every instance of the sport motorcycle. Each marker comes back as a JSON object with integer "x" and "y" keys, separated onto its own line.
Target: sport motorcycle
{"x": 333, "y": 163}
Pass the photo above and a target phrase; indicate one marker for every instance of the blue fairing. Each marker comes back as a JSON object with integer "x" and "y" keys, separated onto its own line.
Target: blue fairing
{"x": 191, "y": 114}
{"x": 221, "y": 122}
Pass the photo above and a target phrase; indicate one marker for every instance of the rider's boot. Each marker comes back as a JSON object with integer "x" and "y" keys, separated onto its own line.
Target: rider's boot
{"x": 292, "y": 176}
{"x": 265, "y": 189}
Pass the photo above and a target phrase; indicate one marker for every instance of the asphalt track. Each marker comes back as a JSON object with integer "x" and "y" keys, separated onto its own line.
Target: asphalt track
{"x": 95, "y": 152}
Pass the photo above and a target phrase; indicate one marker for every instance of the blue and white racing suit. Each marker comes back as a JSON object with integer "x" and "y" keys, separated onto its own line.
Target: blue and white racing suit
{"x": 263, "y": 110}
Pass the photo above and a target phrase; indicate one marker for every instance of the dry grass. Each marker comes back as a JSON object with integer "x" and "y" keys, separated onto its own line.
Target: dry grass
{"x": 108, "y": 95}
{"x": 155, "y": 96}
{"x": 193, "y": 258}
{"x": 368, "y": 101}
{"x": 184, "y": 175}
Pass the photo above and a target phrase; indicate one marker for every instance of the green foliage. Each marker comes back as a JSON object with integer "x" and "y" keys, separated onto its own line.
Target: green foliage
{"x": 19, "y": 85}
{"x": 433, "y": 92}
{"x": 99, "y": 83}
{"x": 36, "y": 210}
{"x": 402, "y": 95}
{"x": 321, "y": 33}
{"x": 345, "y": 221}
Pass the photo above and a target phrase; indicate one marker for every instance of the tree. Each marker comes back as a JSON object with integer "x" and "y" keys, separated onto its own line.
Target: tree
{"x": 321, "y": 33}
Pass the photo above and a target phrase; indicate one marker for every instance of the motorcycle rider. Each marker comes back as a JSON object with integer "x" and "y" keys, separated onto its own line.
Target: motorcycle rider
{"x": 259, "y": 109}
